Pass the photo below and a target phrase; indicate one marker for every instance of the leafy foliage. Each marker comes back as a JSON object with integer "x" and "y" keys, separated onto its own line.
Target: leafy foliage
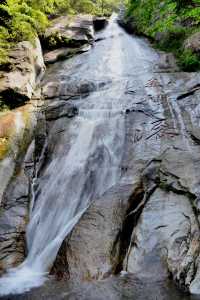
{"x": 169, "y": 23}
{"x": 189, "y": 61}
{"x": 23, "y": 19}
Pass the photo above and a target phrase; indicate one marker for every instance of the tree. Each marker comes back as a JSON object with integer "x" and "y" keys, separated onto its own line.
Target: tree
{"x": 183, "y": 3}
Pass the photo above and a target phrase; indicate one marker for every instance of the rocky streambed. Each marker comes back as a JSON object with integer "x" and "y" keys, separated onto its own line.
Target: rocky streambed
{"x": 103, "y": 164}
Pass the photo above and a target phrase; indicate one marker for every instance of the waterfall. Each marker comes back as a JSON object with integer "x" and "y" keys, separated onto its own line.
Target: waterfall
{"x": 84, "y": 167}
{"x": 85, "y": 161}
{"x": 69, "y": 184}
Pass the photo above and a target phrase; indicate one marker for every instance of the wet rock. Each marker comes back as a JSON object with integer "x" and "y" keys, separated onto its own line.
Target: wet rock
{"x": 191, "y": 91}
{"x": 53, "y": 56}
{"x": 51, "y": 90}
{"x": 165, "y": 240}
{"x": 113, "y": 288}
{"x": 16, "y": 130}
{"x": 65, "y": 91}
{"x": 63, "y": 53}
{"x": 26, "y": 69}
{"x": 158, "y": 152}
{"x": 60, "y": 109}
{"x": 193, "y": 43}
{"x": 69, "y": 32}
{"x": 100, "y": 23}
{"x": 169, "y": 243}
{"x": 128, "y": 24}
{"x": 17, "y": 162}
{"x": 167, "y": 63}
{"x": 92, "y": 250}
{"x": 195, "y": 135}
{"x": 13, "y": 221}
{"x": 99, "y": 39}
{"x": 149, "y": 223}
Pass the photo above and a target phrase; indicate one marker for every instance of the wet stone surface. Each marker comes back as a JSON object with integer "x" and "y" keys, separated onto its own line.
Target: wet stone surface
{"x": 119, "y": 288}
{"x": 118, "y": 116}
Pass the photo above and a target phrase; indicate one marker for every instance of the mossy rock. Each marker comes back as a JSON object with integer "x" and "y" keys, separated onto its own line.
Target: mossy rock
{"x": 15, "y": 127}
{"x": 4, "y": 147}
{"x": 57, "y": 40}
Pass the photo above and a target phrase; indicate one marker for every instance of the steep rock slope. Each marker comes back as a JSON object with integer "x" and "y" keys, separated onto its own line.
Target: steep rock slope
{"x": 132, "y": 121}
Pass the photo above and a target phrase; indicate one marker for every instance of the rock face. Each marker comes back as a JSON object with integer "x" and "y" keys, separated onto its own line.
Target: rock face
{"x": 63, "y": 53}
{"x": 155, "y": 232}
{"x": 159, "y": 236}
{"x": 166, "y": 240}
{"x": 193, "y": 43}
{"x": 100, "y": 23}
{"x": 17, "y": 143}
{"x": 22, "y": 131}
{"x": 16, "y": 131}
{"x": 146, "y": 225}
{"x": 69, "y": 32}
{"x": 93, "y": 249}
{"x": 25, "y": 72}
{"x": 68, "y": 36}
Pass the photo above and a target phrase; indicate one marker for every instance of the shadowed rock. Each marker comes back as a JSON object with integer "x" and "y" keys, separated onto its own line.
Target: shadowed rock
{"x": 27, "y": 68}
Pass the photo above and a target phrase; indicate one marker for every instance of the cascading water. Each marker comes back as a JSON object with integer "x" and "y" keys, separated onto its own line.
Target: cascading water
{"x": 85, "y": 166}
{"x": 86, "y": 159}
{"x": 130, "y": 128}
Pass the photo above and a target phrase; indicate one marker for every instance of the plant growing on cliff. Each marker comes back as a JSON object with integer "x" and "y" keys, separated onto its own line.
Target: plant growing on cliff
{"x": 189, "y": 61}
{"x": 169, "y": 23}
{"x": 24, "y": 19}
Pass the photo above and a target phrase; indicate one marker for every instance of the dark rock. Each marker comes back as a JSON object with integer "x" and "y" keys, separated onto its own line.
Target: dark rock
{"x": 128, "y": 24}
{"x": 65, "y": 32}
{"x": 13, "y": 221}
{"x": 100, "y": 23}
{"x": 97, "y": 234}
{"x": 18, "y": 130}
{"x": 60, "y": 109}
{"x": 99, "y": 39}
{"x": 52, "y": 57}
{"x": 67, "y": 91}
{"x": 27, "y": 67}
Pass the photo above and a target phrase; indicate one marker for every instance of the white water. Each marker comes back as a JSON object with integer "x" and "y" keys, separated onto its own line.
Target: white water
{"x": 86, "y": 159}
{"x": 73, "y": 181}
{"x": 83, "y": 167}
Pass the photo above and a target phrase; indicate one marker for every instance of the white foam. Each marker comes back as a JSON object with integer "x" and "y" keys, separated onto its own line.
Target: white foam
{"x": 21, "y": 280}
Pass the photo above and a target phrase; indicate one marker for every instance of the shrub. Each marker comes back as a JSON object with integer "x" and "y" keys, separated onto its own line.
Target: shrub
{"x": 169, "y": 23}
{"x": 189, "y": 61}
{"x": 23, "y": 19}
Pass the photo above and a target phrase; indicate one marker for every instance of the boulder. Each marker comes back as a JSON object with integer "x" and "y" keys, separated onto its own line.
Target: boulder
{"x": 100, "y": 23}
{"x": 26, "y": 69}
{"x": 193, "y": 43}
{"x": 13, "y": 221}
{"x": 167, "y": 63}
{"x": 65, "y": 91}
{"x": 92, "y": 250}
{"x": 169, "y": 243}
{"x": 69, "y": 32}
{"x": 60, "y": 109}
{"x": 53, "y": 56}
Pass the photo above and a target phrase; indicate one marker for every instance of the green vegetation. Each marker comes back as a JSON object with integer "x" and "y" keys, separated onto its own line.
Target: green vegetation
{"x": 169, "y": 23}
{"x": 23, "y": 19}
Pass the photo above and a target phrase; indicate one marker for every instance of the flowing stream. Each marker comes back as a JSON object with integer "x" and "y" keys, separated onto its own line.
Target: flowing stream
{"x": 85, "y": 168}
{"x": 88, "y": 157}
